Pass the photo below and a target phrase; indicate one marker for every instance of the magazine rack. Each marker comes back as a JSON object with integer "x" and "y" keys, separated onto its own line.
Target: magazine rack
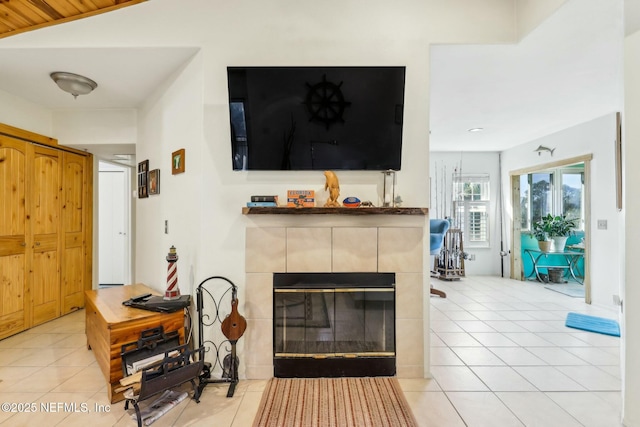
{"x": 172, "y": 371}
{"x": 209, "y": 305}
{"x": 149, "y": 348}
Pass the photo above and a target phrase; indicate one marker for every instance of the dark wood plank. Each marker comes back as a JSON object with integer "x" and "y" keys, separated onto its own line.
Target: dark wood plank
{"x": 333, "y": 211}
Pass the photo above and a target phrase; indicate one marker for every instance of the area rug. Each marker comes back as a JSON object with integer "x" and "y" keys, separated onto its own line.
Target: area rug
{"x": 571, "y": 289}
{"x": 334, "y": 402}
{"x": 593, "y": 324}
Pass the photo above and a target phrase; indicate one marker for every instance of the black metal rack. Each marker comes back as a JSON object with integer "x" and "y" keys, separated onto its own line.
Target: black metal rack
{"x": 224, "y": 360}
{"x": 167, "y": 364}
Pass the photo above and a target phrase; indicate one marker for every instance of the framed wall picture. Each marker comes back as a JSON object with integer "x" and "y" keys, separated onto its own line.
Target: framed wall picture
{"x": 177, "y": 162}
{"x": 143, "y": 171}
{"x": 154, "y": 181}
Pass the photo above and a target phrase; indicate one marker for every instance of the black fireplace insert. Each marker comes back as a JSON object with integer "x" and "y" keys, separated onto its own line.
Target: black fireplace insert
{"x": 334, "y": 324}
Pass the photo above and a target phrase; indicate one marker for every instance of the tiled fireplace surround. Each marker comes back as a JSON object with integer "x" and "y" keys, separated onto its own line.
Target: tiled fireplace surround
{"x": 335, "y": 243}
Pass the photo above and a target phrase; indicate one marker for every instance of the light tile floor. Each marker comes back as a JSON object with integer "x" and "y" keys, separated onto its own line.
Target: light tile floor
{"x": 501, "y": 356}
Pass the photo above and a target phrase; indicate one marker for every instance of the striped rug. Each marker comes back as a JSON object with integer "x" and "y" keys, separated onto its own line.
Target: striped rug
{"x": 334, "y": 402}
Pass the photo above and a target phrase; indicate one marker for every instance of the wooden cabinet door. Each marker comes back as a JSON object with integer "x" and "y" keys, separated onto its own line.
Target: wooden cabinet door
{"x": 45, "y": 229}
{"x": 45, "y": 225}
{"x": 15, "y": 243}
{"x": 74, "y": 277}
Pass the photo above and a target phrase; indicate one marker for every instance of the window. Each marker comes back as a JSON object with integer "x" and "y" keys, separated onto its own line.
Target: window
{"x": 536, "y": 197}
{"x": 471, "y": 208}
{"x": 556, "y": 192}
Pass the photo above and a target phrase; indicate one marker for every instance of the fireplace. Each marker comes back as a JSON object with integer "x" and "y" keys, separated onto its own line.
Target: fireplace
{"x": 359, "y": 242}
{"x": 334, "y": 324}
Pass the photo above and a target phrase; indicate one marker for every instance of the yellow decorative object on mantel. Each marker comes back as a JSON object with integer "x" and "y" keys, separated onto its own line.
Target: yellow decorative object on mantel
{"x": 333, "y": 186}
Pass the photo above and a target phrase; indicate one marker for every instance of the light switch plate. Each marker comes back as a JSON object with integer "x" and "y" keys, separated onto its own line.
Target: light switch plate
{"x": 602, "y": 224}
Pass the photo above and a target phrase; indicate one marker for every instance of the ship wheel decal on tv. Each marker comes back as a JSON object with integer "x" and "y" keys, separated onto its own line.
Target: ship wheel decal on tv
{"x": 325, "y": 102}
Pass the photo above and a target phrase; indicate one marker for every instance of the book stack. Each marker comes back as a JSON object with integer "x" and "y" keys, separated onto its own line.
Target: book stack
{"x": 263, "y": 201}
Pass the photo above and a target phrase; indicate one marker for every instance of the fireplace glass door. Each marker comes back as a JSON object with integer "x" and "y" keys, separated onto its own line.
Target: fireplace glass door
{"x": 334, "y": 322}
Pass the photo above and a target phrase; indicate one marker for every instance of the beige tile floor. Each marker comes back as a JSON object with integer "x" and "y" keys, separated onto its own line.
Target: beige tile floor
{"x": 501, "y": 356}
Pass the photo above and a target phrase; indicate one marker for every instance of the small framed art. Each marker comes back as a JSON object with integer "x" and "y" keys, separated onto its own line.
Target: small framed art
{"x": 143, "y": 170}
{"x": 177, "y": 162}
{"x": 154, "y": 181}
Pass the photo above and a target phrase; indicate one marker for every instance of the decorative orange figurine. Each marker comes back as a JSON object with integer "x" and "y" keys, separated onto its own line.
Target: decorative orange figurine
{"x": 333, "y": 186}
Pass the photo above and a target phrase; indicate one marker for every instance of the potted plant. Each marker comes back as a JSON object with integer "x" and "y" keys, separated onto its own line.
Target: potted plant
{"x": 541, "y": 231}
{"x": 561, "y": 228}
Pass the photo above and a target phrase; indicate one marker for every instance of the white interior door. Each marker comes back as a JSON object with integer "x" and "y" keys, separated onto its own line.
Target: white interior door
{"x": 113, "y": 226}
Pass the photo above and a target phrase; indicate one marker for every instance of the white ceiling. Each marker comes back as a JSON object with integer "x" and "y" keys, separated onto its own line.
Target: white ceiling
{"x": 565, "y": 72}
{"x": 125, "y": 77}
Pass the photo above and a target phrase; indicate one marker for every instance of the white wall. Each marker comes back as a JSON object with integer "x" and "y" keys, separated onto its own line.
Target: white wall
{"x": 303, "y": 36}
{"x": 531, "y": 13}
{"x": 169, "y": 121}
{"x": 596, "y": 137}
{"x": 90, "y": 127}
{"x": 441, "y": 168}
{"x": 278, "y": 32}
{"x": 631, "y": 211}
{"x": 203, "y": 205}
{"x": 23, "y": 114}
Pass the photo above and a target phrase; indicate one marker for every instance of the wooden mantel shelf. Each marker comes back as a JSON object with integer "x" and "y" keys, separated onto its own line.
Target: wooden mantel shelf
{"x": 333, "y": 211}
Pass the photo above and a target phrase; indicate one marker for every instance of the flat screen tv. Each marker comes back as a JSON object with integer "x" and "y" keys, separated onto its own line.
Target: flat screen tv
{"x": 316, "y": 118}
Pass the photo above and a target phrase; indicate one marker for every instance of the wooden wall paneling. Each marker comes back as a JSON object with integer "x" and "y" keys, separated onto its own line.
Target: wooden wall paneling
{"x": 46, "y": 229}
{"x": 15, "y": 243}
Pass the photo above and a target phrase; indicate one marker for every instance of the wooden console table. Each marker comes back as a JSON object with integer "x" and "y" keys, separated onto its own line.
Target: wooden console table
{"x": 110, "y": 324}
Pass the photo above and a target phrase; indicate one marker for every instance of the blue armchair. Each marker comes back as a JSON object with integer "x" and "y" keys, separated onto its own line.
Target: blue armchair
{"x": 437, "y": 229}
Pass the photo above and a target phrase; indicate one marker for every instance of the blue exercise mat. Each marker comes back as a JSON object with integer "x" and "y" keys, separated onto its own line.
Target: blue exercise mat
{"x": 599, "y": 325}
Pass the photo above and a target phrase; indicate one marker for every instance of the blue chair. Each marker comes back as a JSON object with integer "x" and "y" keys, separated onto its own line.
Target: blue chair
{"x": 437, "y": 229}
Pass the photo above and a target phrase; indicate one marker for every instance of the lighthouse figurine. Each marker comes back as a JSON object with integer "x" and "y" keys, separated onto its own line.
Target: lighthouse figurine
{"x": 173, "y": 291}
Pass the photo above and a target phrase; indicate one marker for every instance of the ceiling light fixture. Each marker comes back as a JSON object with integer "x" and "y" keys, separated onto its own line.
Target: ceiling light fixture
{"x": 75, "y": 84}
{"x": 475, "y": 130}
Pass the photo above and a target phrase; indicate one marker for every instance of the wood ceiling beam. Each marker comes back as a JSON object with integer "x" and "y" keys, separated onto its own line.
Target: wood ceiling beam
{"x": 21, "y": 16}
{"x": 15, "y": 17}
{"x": 47, "y": 8}
{"x": 83, "y": 6}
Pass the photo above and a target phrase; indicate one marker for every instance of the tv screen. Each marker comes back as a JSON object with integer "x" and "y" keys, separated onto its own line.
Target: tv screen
{"x": 316, "y": 118}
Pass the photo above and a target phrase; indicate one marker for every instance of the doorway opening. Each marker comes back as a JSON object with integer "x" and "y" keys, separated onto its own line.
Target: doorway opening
{"x": 114, "y": 225}
{"x": 557, "y": 188}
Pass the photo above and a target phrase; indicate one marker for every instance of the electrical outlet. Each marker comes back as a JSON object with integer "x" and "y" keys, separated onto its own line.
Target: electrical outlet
{"x": 166, "y": 226}
{"x": 602, "y": 224}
